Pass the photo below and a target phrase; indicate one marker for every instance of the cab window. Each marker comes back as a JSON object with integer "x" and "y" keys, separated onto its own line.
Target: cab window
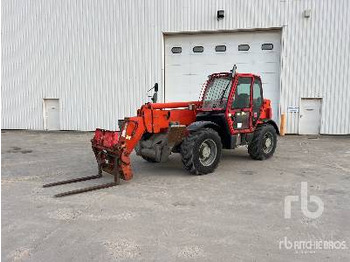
{"x": 241, "y": 97}
{"x": 257, "y": 97}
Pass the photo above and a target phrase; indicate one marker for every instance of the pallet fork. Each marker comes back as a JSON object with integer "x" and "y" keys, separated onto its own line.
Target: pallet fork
{"x": 80, "y": 179}
{"x": 111, "y": 158}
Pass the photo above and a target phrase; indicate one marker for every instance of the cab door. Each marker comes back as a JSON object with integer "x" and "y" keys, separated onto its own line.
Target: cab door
{"x": 240, "y": 109}
{"x": 257, "y": 100}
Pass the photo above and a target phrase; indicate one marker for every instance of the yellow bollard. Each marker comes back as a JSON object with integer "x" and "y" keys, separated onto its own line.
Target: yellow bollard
{"x": 283, "y": 124}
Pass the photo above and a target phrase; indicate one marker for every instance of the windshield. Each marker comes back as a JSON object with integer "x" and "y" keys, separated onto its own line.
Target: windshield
{"x": 217, "y": 93}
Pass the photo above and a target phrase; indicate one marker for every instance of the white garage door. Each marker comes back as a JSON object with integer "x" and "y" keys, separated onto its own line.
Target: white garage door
{"x": 189, "y": 59}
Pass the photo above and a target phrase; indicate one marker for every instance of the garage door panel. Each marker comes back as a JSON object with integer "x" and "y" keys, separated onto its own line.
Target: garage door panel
{"x": 269, "y": 80}
{"x": 186, "y": 72}
{"x": 176, "y": 60}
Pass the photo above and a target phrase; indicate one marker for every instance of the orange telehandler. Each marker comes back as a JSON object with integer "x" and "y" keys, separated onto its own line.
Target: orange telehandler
{"x": 231, "y": 112}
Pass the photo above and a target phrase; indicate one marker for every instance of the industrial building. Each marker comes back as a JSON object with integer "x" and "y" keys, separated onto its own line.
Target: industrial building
{"x": 78, "y": 65}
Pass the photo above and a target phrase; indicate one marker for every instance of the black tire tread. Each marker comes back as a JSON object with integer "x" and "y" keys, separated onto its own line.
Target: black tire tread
{"x": 187, "y": 146}
{"x": 255, "y": 146}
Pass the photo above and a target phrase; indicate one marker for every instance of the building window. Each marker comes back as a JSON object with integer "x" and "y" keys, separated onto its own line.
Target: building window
{"x": 220, "y": 48}
{"x": 176, "y": 50}
{"x": 267, "y": 46}
{"x": 243, "y": 47}
{"x": 198, "y": 49}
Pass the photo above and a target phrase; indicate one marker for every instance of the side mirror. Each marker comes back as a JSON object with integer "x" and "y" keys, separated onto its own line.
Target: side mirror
{"x": 154, "y": 97}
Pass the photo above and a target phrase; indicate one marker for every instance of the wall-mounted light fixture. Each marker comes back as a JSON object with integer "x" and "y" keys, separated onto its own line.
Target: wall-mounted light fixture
{"x": 307, "y": 13}
{"x": 220, "y": 14}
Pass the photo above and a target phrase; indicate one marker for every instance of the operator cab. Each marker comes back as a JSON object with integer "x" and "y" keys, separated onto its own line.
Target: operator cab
{"x": 233, "y": 101}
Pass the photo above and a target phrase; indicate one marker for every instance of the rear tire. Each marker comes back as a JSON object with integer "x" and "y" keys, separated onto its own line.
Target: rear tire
{"x": 264, "y": 142}
{"x": 201, "y": 151}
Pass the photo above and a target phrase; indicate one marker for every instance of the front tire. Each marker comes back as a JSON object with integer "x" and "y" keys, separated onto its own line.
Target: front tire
{"x": 201, "y": 151}
{"x": 264, "y": 142}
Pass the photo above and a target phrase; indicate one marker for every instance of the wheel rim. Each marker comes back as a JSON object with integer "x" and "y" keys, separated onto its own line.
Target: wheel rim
{"x": 207, "y": 152}
{"x": 267, "y": 143}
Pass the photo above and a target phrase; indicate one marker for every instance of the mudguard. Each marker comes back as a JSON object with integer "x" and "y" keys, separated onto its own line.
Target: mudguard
{"x": 201, "y": 124}
{"x": 273, "y": 123}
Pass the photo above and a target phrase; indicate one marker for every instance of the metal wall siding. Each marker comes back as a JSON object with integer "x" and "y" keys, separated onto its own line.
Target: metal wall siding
{"x": 100, "y": 57}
